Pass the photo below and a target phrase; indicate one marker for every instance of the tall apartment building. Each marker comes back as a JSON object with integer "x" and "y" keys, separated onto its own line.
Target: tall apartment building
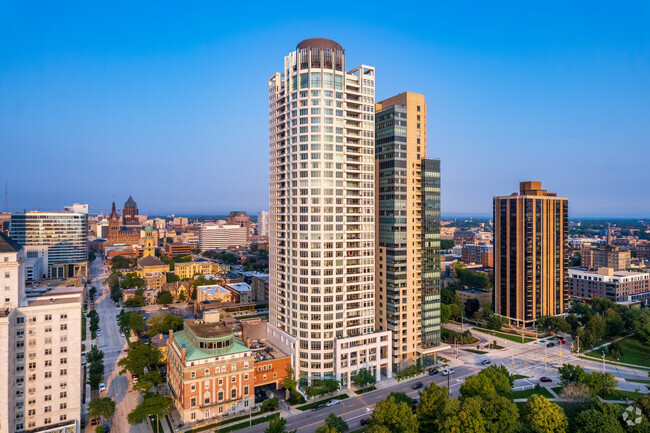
{"x": 40, "y": 352}
{"x": 531, "y": 254}
{"x": 321, "y": 235}
{"x": 222, "y": 236}
{"x": 263, "y": 223}
{"x": 65, "y": 233}
{"x": 407, "y": 209}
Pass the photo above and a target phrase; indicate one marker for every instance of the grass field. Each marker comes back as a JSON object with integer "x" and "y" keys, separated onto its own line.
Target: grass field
{"x": 511, "y": 337}
{"x": 363, "y": 391}
{"x": 618, "y": 394}
{"x": 634, "y": 352}
{"x": 528, "y": 392}
{"x": 478, "y": 352}
{"x": 638, "y": 381}
{"x": 253, "y": 316}
{"x": 519, "y": 376}
{"x": 557, "y": 389}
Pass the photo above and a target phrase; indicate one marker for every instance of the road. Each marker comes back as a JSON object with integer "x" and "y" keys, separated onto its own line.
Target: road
{"x": 113, "y": 345}
{"x": 353, "y": 409}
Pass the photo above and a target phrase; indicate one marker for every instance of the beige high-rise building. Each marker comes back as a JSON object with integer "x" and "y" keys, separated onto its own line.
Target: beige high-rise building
{"x": 407, "y": 221}
{"x": 531, "y": 254}
{"x": 321, "y": 235}
{"x": 40, "y": 352}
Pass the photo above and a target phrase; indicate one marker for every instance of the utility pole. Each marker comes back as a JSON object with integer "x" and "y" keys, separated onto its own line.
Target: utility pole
{"x": 545, "y": 358}
{"x": 603, "y": 361}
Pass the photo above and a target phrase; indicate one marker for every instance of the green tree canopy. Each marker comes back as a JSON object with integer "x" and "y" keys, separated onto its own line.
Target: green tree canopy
{"x": 277, "y": 424}
{"x": 600, "y": 418}
{"x": 500, "y": 415}
{"x": 363, "y": 378}
{"x": 600, "y": 383}
{"x": 401, "y": 397}
{"x": 101, "y": 407}
{"x": 172, "y": 278}
{"x": 572, "y": 373}
{"x": 322, "y": 387}
{"x": 148, "y": 380}
{"x": 162, "y": 323}
{"x": 151, "y": 405}
{"x": 396, "y": 417}
{"x": 132, "y": 280}
{"x": 336, "y": 423}
{"x": 139, "y": 357}
{"x": 543, "y": 416}
{"x": 120, "y": 262}
{"x": 467, "y": 419}
{"x": 165, "y": 298}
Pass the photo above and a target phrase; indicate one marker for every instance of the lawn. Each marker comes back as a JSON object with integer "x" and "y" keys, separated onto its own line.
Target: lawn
{"x": 83, "y": 327}
{"x": 525, "y": 393}
{"x": 557, "y": 389}
{"x": 225, "y": 421}
{"x": 638, "y": 380}
{"x": 311, "y": 405}
{"x": 363, "y": 391}
{"x": 478, "y": 352}
{"x": 519, "y": 376}
{"x": 618, "y": 394}
{"x": 245, "y": 424}
{"x": 253, "y": 316}
{"x": 634, "y": 352}
{"x": 511, "y": 337}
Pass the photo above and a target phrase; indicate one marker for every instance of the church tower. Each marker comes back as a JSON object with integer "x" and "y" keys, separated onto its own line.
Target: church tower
{"x": 149, "y": 242}
{"x": 113, "y": 226}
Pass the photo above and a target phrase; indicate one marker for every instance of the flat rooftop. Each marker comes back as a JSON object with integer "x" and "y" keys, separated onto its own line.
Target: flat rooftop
{"x": 208, "y": 330}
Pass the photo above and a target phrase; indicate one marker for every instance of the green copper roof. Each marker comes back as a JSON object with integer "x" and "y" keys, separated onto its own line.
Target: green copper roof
{"x": 192, "y": 353}
{"x": 148, "y": 229}
{"x": 130, "y": 202}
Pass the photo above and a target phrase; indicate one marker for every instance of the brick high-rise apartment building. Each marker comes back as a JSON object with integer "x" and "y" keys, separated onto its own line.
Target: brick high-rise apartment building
{"x": 407, "y": 212}
{"x": 530, "y": 254}
{"x": 322, "y": 228}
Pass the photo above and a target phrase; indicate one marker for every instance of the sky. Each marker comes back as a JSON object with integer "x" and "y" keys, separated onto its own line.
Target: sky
{"x": 168, "y": 101}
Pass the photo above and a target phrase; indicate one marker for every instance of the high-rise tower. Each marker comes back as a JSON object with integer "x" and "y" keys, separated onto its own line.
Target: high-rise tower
{"x": 530, "y": 254}
{"x": 321, "y": 237}
{"x": 407, "y": 202}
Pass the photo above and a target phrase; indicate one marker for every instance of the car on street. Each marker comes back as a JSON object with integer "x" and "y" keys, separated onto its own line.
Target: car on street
{"x": 99, "y": 332}
{"x": 556, "y": 365}
{"x": 318, "y": 406}
{"x": 447, "y": 372}
{"x": 418, "y": 385}
{"x": 551, "y": 344}
{"x": 486, "y": 362}
{"x": 434, "y": 372}
{"x": 102, "y": 387}
{"x": 135, "y": 378}
{"x": 365, "y": 421}
{"x": 332, "y": 403}
{"x": 545, "y": 379}
{"x": 121, "y": 333}
{"x": 562, "y": 342}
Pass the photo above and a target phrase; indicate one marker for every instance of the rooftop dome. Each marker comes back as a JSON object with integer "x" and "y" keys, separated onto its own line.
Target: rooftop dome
{"x": 319, "y": 43}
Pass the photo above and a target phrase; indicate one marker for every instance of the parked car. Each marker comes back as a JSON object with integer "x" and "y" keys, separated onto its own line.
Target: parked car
{"x": 121, "y": 332}
{"x": 418, "y": 385}
{"x": 486, "y": 362}
{"x": 332, "y": 403}
{"x": 134, "y": 378}
{"x": 365, "y": 421}
{"x": 562, "y": 342}
{"x": 447, "y": 372}
{"x": 545, "y": 379}
{"x": 318, "y": 406}
{"x": 551, "y": 344}
{"x": 99, "y": 332}
{"x": 102, "y": 387}
{"x": 434, "y": 372}
{"x": 556, "y": 365}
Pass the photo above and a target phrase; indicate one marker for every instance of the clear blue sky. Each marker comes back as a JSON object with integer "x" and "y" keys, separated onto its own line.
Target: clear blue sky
{"x": 168, "y": 101}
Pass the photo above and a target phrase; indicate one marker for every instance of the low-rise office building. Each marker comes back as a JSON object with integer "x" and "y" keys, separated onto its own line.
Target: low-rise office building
{"x": 619, "y": 286}
{"x": 222, "y": 236}
{"x": 482, "y": 296}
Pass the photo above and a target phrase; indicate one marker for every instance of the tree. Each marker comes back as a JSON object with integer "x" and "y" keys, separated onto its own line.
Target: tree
{"x": 181, "y": 296}
{"x": 94, "y": 354}
{"x": 471, "y": 307}
{"x": 326, "y": 429}
{"x": 445, "y": 314}
{"x": 162, "y": 323}
{"x": 455, "y": 312}
{"x": 496, "y": 322}
{"x": 571, "y": 373}
{"x": 91, "y": 256}
{"x": 229, "y": 258}
{"x": 615, "y": 350}
{"x": 467, "y": 419}
{"x": 479, "y": 385}
{"x": 433, "y": 408}
{"x": 500, "y": 378}
{"x": 270, "y": 404}
{"x": 290, "y": 381}
{"x": 401, "y": 397}
{"x": 543, "y": 416}
{"x": 165, "y": 298}
{"x": 448, "y": 296}
{"x": 132, "y": 280}
{"x": 168, "y": 261}
{"x": 148, "y": 380}
{"x": 322, "y": 387}
{"x": 135, "y": 321}
{"x": 277, "y": 424}
{"x": 101, "y": 407}
{"x": 396, "y": 417}
{"x": 96, "y": 368}
{"x": 576, "y": 392}
{"x": 601, "y": 417}
{"x": 500, "y": 415}
{"x": 94, "y": 379}
{"x": 139, "y": 357}
{"x": 152, "y": 405}
{"x": 336, "y": 423}
{"x": 601, "y": 383}
{"x": 172, "y": 278}
{"x": 446, "y": 244}
{"x": 363, "y": 378}
{"x": 134, "y": 302}
{"x": 120, "y": 262}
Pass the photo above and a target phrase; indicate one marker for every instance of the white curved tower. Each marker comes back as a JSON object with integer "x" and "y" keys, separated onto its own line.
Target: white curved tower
{"x": 321, "y": 237}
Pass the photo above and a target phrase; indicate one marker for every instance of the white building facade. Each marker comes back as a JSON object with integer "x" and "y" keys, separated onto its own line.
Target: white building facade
{"x": 221, "y": 236}
{"x": 263, "y": 223}
{"x": 321, "y": 228}
{"x": 40, "y": 353}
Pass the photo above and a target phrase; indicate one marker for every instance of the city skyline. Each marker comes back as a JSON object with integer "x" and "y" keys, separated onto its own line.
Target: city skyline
{"x": 573, "y": 88}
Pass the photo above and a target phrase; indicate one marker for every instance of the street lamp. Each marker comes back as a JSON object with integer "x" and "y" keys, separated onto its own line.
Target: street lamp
{"x": 603, "y": 361}
{"x": 449, "y": 380}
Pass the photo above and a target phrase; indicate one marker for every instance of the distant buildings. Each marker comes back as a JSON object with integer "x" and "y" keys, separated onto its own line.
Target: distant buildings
{"x": 173, "y": 250}
{"x": 241, "y": 219}
{"x": 118, "y": 234}
{"x": 226, "y": 293}
{"x": 199, "y": 267}
{"x": 40, "y": 356}
{"x": 407, "y": 280}
{"x": 222, "y": 236}
{"x": 531, "y": 254}
{"x": 64, "y": 234}
{"x": 260, "y": 288}
{"x": 130, "y": 217}
{"x": 605, "y": 256}
{"x": 478, "y": 253}
{"x": 263, "y": 223}
{"x": 619, "y": 286}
